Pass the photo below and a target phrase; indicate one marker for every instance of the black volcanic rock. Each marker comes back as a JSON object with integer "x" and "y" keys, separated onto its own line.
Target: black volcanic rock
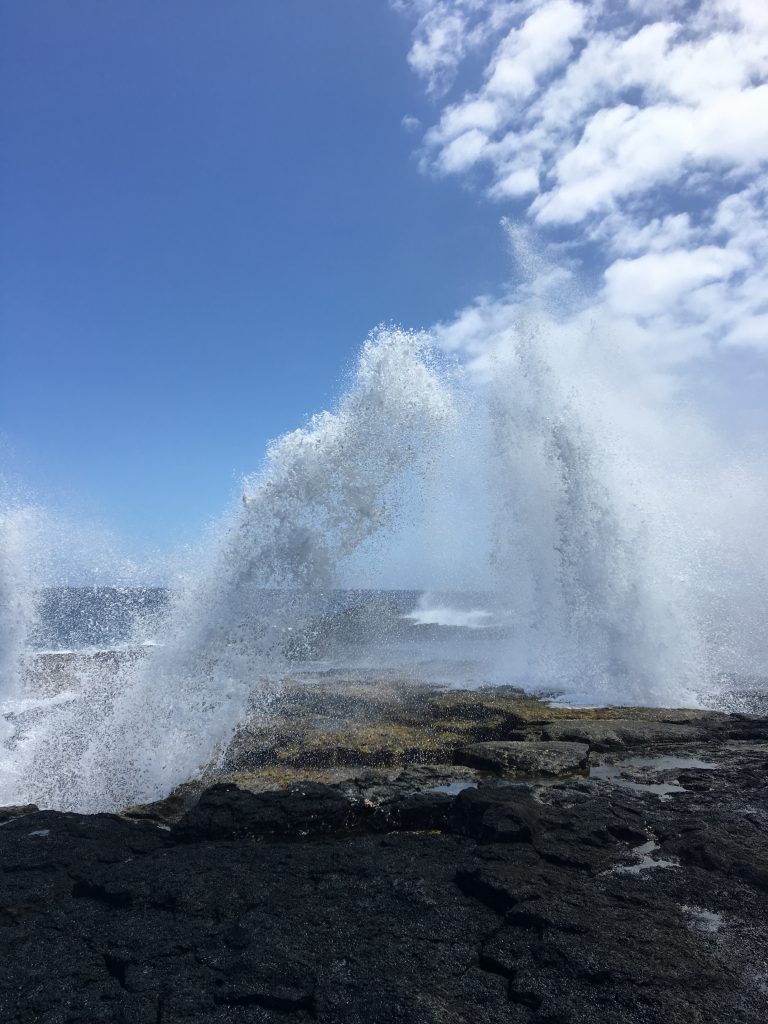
{"x": 617, "y": 733}
{"x": 368, "y": 903}
{"x": 525, "y": 757}
{"x": 226, "y": 812}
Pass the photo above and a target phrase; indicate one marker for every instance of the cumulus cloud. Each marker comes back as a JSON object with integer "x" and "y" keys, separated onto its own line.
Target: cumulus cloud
{"x": 634, "y": 127}
{"x": 410, "y": 123}
{"x": 646, "y": 285}
{"x": 447, "y": 31}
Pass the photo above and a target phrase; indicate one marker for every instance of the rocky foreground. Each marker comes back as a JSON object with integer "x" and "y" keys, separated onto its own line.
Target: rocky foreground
{"x": 458, "y": 858}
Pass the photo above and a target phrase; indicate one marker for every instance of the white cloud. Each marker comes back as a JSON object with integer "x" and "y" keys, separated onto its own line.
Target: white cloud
{"x": 463, "y": 152}
{"x": 448, "y": 30}
{"x": 436, "y": 54}
{"x": 625, "y": 151}
{"x": 477, "y": 114}
{"x": 636, "y": 127}
{"x": 621, "y": 233}
{"x": 520, "y": 182}
{"x": 751, "y": 333}
{"x": 645, "y": 286}
{"x": 543, "y": 42}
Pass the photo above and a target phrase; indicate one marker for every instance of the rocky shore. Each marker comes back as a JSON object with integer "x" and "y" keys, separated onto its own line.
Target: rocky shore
{"x": 373, "y": 855}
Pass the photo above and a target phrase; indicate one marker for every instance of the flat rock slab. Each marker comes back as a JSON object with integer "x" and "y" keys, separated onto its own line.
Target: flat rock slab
{"x": 612, "y": 735}
{"x": 522, "y": 757}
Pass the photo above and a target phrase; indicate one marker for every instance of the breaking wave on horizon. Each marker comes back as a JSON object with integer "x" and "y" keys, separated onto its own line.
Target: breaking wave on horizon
{"x": 548, "y": 531}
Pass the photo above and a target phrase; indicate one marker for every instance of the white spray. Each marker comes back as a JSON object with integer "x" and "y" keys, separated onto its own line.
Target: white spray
{"x": 18, "y": 527}
{"x": 538, "y": 473}
{"x": 326, "y": 490}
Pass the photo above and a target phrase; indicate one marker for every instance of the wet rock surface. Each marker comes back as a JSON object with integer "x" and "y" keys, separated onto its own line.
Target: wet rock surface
{"x": 431, "y": 894}
{"x": 518, "y": 757}
{"x": 612, "y": 735}
{"x": 315, "y": 726}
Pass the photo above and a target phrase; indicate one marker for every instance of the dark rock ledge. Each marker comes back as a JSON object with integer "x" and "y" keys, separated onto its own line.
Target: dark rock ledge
{"x": 526, "y": 757}
{"x": 389, "y": 898}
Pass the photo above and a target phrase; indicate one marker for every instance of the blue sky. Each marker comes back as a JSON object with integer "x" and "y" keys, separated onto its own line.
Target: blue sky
{"x": 204, "y": 212}
{"x": 206, "y": 208}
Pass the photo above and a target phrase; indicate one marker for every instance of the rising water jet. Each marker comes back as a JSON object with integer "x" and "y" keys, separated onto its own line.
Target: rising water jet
{"x": 585, "y": 563}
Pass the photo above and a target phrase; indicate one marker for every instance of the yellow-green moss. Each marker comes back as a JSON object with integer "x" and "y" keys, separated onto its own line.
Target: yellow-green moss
{"x": 377, "y": 744}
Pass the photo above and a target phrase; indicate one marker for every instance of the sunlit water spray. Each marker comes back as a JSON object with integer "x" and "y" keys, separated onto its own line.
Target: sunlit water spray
{"x": 326, "y": 490}
{"x": 17, "y": 598}
{"x": 596, "y": 598}
{"x": 509, "y": 479}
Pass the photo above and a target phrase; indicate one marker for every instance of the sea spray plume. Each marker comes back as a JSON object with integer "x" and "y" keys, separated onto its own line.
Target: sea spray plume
{"x": 18, "y": 527}
{"x": 325, "y": 490}
{"x": 573, "y": 558}
{"x": 19, "y": 535}
{"x": 602, "y": 544}
{"x": 329, "y": 487}
{"x": 581, "y": 487}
